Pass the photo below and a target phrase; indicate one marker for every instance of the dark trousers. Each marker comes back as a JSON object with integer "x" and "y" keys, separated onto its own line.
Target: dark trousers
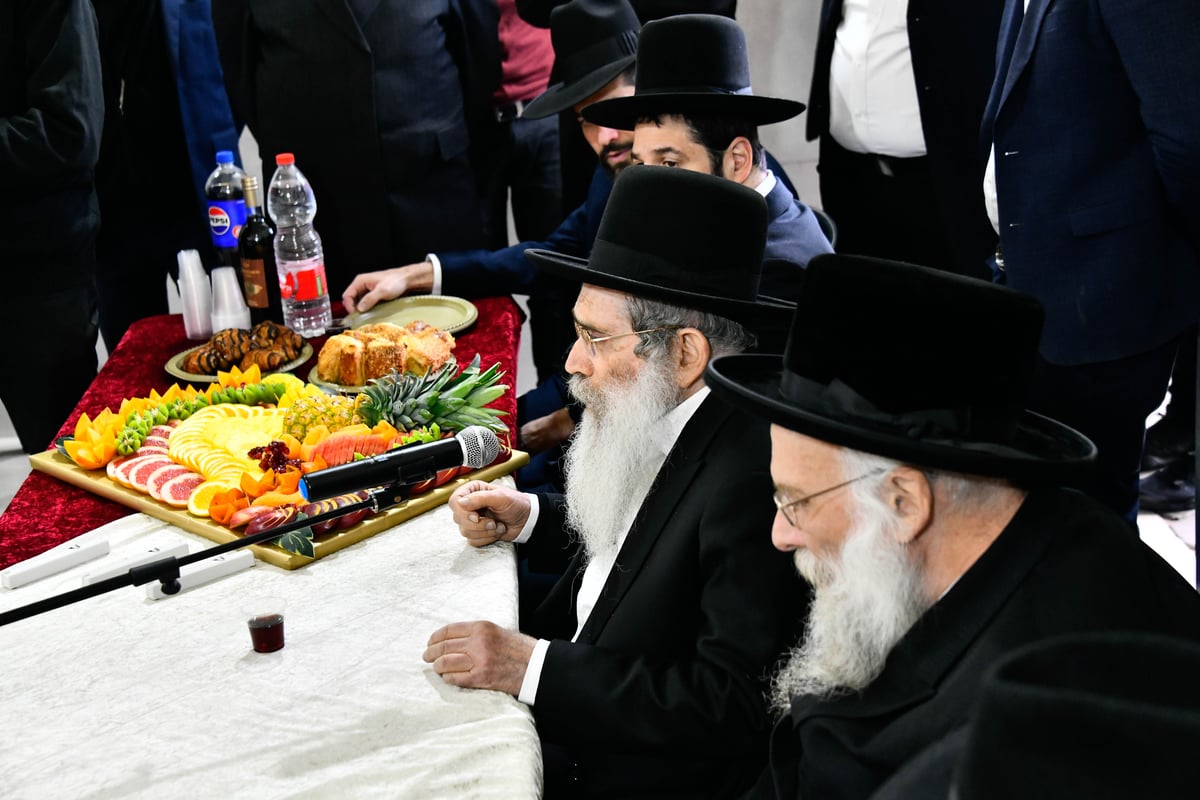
{"x": 55, "y": 334}
{"x": 1108, "y": 402}
{"x": 883, "y": 207}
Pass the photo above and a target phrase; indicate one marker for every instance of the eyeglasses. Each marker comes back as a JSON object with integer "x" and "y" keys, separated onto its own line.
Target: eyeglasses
{"x": 591, "y": 341}
{"x": 786, "y": 506}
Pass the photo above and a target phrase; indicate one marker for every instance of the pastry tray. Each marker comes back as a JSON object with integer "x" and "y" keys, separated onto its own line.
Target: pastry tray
{"x": 96, "y": 481}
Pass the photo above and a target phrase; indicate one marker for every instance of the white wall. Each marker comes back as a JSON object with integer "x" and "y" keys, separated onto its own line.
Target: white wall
{"x": 782, "y": 35}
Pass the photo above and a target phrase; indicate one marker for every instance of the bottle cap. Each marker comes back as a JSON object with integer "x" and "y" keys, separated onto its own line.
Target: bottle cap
{"x": 224, "y": 156}
{"x": 284, "y": 158}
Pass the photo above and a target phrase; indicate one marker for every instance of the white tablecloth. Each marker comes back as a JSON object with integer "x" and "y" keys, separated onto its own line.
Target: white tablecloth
{"x": 122, "y": 696}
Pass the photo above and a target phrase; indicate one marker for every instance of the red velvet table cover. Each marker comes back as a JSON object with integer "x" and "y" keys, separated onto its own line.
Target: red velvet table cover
{"x": 46, "y": 512}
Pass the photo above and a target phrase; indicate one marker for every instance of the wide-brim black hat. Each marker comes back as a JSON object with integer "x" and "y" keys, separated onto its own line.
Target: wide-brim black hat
{"x": 1104, "y": 714}
{"x": 680, "y": 237}
{"x": 687, "y": 64}
{"x": 914, "y": 364}
{"x": 594, "y": 42}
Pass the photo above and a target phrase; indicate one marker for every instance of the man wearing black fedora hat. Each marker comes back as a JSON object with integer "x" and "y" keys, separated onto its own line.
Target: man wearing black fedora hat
{"x": 645, "y": 664}
{"x": 922, "y": 503}
{"x": 693, "y": 108}
{"x": 595, "y": 42}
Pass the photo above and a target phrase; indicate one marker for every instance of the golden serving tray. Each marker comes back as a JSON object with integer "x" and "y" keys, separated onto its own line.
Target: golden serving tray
{"x": 96, "y": 481}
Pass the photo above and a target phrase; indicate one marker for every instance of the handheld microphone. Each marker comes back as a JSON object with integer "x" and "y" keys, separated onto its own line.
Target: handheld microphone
{"x": 472, "y": 447}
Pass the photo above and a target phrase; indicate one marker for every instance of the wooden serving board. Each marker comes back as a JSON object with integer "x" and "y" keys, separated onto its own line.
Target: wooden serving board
{"x": 96, "y": 481}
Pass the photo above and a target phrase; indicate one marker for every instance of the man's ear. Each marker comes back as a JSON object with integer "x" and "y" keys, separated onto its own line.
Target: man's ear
{"x": 692, "y": 356}
{"x": 909, "y": 495}
{"x": 738, "y": 162}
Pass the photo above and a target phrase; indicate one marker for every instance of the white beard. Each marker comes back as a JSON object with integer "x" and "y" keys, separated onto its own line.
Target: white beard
{"x": 865, "y": 601}
{"x": 609, "y": 467}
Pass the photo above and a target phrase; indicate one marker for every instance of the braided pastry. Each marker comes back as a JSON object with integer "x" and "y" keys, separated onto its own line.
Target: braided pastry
{"x": 232, "y": 343}
{"x": 205, "y": 360}
{"x": 273, "y": 335}
{"x": 265, "y": 357}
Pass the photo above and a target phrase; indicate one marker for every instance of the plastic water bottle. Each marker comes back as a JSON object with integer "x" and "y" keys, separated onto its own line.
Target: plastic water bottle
{"x": 299, "y": 259}
{"x": 226, "y": 208}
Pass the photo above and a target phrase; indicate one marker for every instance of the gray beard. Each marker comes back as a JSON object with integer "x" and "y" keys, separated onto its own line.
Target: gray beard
{"x": 609, "y": 468}
{"x": 865, "y": 601}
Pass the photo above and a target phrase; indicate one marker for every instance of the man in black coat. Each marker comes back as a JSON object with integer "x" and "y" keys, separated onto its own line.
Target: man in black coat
{"x": 898, "y": 93}
{"x": 377, "y": 99}
{"x": 693, "y": 108}
{"x": 644, "y": 665}
{"x": 922, "y": 503}
{"x": 51, "y": 113}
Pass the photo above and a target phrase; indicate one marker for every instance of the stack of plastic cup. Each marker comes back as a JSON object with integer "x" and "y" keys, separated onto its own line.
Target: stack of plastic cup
{"x": 229, "y": 309}
{"x": 196, "y": 295}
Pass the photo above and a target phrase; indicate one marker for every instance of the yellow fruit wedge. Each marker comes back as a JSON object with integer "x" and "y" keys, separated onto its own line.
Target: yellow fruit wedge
{"x": 202, "y": 495}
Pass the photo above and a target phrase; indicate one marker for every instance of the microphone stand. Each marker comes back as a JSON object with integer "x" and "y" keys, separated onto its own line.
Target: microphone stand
{"x": 166, "y": 570}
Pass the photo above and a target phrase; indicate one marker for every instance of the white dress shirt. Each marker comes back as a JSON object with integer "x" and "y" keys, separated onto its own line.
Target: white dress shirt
{"x": 595, "y": 574}
{"x": 872, "y": 89}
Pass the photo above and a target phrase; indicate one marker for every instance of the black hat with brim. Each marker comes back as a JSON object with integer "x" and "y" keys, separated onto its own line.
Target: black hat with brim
{"x": 692, "y": 64}
{"x": 679, "y": 237}
{"x": 883, "y": 357}
{"x": 594, "y": 42}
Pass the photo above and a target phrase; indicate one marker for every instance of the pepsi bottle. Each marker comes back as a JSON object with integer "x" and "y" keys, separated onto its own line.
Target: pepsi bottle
{"x": 226, "y": 208}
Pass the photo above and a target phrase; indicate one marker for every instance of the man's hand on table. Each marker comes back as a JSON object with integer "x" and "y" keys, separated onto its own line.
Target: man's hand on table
{"x": 485, "y": 513}
{"x": 546, "y": 432}
{"x": 480, "y": 655}
{"x": 369, "y": 288}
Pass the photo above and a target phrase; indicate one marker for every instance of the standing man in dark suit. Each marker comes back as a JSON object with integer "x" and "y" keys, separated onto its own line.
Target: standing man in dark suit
{"x": 595, "y": 42}
{"x": 921, "y": 503}
{"x": 378, "y": 100}
{"x": 692, "y": 108}
{"x": 51, "y": 113}
{"x": 166, "y": 116}
{"x": 897, "y": 96}
{"x": 643, "y": 665}
{"x": 1096, "y": 166}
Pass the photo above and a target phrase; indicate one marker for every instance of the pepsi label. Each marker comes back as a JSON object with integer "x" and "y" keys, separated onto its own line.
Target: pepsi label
{"x": 225, "y": 220}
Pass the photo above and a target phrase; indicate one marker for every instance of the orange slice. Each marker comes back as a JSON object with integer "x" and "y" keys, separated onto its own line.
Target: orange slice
{"x": 202, "y": 496}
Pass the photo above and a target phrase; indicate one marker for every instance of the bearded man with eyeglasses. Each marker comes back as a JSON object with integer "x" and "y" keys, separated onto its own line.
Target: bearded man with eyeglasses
{"x": 646, "y": 665}
{"x": 929, "y": 512}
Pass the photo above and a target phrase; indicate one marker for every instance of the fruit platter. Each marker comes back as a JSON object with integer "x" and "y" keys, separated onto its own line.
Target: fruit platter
{"x": 228, "y": 460}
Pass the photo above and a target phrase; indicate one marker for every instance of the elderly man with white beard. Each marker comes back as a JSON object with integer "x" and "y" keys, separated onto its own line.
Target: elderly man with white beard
{"x": 646, "y": 667}
{"x": 924, "y": 506}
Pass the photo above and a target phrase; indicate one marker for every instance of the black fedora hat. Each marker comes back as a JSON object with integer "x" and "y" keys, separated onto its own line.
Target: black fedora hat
{"x": 692, "y": 63}
{"x": 681, "y": 237}
{"x": 1102, "y": 714}
{"x": 594, "y": 42}
{"x": 1097, "y": 715}
{"x": 886, "y": 358}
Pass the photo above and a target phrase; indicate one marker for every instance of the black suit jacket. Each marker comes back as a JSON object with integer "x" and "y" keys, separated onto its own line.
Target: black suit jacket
{"x": 1098, "y": 171}
{"x": 953, "y": 47}
{"x": 378, "y": 114}
{"x": 663, "y": 693}
{"x": 1063, "y": 565}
